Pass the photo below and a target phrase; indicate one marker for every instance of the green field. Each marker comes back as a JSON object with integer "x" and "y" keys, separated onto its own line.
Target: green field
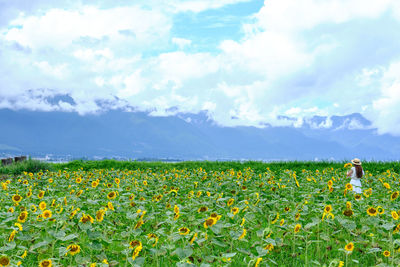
{"x": 101, "y": 213}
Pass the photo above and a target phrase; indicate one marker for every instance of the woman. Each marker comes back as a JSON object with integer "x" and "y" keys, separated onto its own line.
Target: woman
{"x": 356, "y": 173}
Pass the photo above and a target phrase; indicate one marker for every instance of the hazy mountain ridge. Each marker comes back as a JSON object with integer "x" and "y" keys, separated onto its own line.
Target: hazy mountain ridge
{"x": 187, "y": 136}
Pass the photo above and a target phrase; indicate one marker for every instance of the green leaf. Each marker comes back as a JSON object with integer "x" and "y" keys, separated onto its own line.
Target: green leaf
{"x": 8, "y": 246}
{"x": 229, "y": 255}
{"x": 38, "y": 245}
{"x": 70, "y": 237}
{"x": 388, "y": 226}
{"x": 62, "y": 251}
{"x": 218, "y": 243}
{"x": 374, "y": 250}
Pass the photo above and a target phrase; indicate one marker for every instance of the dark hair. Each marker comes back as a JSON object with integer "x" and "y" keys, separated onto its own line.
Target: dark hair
{"x": 359, "y": 171}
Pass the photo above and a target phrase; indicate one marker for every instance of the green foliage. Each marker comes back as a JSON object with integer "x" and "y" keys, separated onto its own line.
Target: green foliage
{"x": 29, "y": 165}
{"x": 258, "y": 166}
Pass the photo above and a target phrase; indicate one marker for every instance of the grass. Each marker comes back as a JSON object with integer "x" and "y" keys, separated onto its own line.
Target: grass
{"x": 29, "y": 165}
{"x": 34, "y": 166}
{"x": 148, "y": 217}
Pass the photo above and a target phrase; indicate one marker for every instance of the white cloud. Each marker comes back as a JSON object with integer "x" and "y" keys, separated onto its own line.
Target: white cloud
{"x": 181, "y": 42}
{"x": 63, "y": 28}
{"x": 58, "y": 71}
{"x": 386, "y": 109}
{"x": 201, "y": 5}
{"x": 294, "y": 58}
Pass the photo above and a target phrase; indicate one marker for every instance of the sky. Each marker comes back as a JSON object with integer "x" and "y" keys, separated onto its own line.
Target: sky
{"x": 243, "y": 62}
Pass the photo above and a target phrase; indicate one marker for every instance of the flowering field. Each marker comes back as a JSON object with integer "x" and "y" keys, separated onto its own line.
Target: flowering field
{"x": 184, "y": 217}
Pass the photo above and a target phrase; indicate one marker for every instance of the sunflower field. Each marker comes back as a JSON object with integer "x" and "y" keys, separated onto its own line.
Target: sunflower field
{"x": 198, "y": 217}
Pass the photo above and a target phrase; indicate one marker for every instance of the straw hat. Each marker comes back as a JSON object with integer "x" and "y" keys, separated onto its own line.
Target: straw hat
{"x": 356, "y": 161}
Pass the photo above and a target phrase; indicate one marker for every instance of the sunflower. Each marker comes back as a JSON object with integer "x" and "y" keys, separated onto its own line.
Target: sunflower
{"x": 348, "y": 205}
{"x": 297, "y": 217}
{"x": 29, "y": 193}
{"x": 73, "y": 213}
{"x": 33, "y": 208}
{"x": 136, "y": 251}
{"x": 349, "y": 247}
{"x": 269, "y": 247}
{"x": 139, "y": 223}
{"x": 349, "y": 187}
{"x": 348, "y": 212}
{"x": 79, "y": 193}
{"x": 328, "y": 208}
{"x": 357, "y": 196}
{"x": 243, "y": 234}
{"x": 22, "y": 216}
{"x": 42, "y": 205}
{"x": 215, "y": 216}
{"x": 20, "y": 228}
{"x": 275, "y": 219}
{"x": 386, "y": 253}
{"x": 86, "y": 218}
{"x": 16, "y": 198}
{"x": 176, "y": 209}
{"x": 386, "y": 185}
{"x": 45, "y": 263}
{"x": 287, "y": 209}
{"x": 230, "y": 202}
{"x": 368, "y": 192}
{"x": 100, "y": 215}
{"x": 395, "y": 215}
{"x": 380, "y": 210}
{"x": 12, "y": 235}
{"x": 184, "y": 231}
{"x": 11, "y": 209}
{"x": 297, "y": 228}
{"x": 60, "y": 209}
{"x": 95, "y": 184}
{"x": 202, "y": 209}
{"x": 258, "y": 262}
{"x": 210, "y": 221}
{"x": 176, "y": 216}
{"x": 282, "y": 222}
{"x": 111, "y": 195}
{"x": 117, "y": 181}
{"x": 394, "y": 195}
{"x": 198, "y": 194}
{"x": 78, "y": 180}
{"x": 47, "y": 214}
{"x": 347, "y": 165}
{"x": 235, "y": 210}
{"x": 330, "y": 183}
{"x": 4, "y": 260}
{"x": 41, "y": 194}
{"x": 243, "y": 221}
{"x": 132, "y": 204}
{"x": 372, "y": 211}
{"x": 110, "y": 206}
{"x": 145, "y": 183}
{"x": 73, "y": 249}
{"x": 193, "y": 238}
{"x": 135, "y": 243}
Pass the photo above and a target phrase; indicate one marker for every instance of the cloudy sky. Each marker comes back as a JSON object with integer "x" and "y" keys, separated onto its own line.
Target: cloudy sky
{"x": 244, "y": 62}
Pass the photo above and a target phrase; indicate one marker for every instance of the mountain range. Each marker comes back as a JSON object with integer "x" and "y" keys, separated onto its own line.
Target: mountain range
{"x": 137, "y": 135}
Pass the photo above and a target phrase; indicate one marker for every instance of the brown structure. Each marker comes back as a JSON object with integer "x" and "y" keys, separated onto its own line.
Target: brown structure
{"x": 7, "y": 161}
{"x": 19, "y": 159}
